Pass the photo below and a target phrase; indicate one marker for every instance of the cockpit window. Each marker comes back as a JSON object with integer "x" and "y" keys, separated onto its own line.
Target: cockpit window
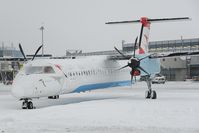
{"x": 34, "y": 70}
{"x": 48, "y": 69}
{"x": 39, "y": 70}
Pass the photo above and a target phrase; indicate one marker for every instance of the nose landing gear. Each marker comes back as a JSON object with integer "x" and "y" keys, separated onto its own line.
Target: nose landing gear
{"x": 27, "y": 104}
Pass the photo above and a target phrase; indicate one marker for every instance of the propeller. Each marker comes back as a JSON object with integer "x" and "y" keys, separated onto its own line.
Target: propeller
{"x": 134, "y": 63}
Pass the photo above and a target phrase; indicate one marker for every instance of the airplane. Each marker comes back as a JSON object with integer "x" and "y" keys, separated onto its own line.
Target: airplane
{"x": 53, "y": 77}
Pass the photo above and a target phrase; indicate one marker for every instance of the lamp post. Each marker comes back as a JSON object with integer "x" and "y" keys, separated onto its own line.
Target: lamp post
{"x": 42, "y": 39}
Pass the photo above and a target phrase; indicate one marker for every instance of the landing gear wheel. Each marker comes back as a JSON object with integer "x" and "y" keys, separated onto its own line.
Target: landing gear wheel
{"x": 153, "y": 95}
{"x": 27, "y": 104}
{"x": 147, "y": 94}
{"x": 24, "y": 105}
{"x": 30, "y": 105}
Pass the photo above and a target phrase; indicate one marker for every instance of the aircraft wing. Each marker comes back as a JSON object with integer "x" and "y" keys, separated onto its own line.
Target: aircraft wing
{"x": 173, "y": 54}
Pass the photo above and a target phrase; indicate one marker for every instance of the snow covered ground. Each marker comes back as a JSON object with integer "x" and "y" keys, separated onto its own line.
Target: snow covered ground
{"x": 116, "y": 110}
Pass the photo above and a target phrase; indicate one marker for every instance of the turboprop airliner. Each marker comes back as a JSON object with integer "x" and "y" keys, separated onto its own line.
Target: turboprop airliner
{"x": 53, "y": 77}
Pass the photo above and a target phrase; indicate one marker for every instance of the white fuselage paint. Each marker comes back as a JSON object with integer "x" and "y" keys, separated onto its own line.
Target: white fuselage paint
{"x": 71, "y": 75}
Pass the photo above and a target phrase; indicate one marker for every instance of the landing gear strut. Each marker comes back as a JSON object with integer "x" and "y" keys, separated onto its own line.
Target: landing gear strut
{"x": 27, "y": 104}
{"x": 150, "y": 93}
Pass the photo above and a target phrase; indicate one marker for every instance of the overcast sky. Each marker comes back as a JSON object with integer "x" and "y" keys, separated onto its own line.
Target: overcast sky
{"x": 80, "y": 24}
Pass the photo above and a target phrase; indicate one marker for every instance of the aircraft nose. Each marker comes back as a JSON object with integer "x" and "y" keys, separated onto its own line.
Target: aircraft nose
{"x": 17, "y": 91}
{"x": 22, "y": 88}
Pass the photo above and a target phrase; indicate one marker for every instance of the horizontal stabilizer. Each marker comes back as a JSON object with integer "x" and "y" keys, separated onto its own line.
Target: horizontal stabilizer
{"x": 150, "y": 20}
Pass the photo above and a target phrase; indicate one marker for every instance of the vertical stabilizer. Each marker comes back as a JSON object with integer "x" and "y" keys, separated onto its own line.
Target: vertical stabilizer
{"x": 144, "y": 36}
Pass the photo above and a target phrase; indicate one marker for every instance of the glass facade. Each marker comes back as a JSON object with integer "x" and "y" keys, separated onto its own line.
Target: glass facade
{"x": 10, "y": 53}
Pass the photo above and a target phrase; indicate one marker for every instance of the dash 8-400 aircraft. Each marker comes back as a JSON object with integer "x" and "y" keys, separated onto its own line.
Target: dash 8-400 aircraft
{"x": 53, "y": 77}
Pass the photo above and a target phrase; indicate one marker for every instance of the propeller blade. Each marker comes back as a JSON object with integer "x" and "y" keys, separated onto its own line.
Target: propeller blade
{"x": 132, "y": 75}
{"x": 143, "y": 70}
{"x": 37, "y": 52}
{"x": 121, "y": 53}
{"x": 140, "y": 38}
{"x": 21, "y": 49}
{"x": 135, "y": 46}
{"x": 123, "y": 67}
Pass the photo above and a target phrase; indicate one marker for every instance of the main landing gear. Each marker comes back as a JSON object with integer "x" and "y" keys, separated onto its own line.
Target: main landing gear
{"x": 27, "y": 104}
{"x": 150, "y": 93}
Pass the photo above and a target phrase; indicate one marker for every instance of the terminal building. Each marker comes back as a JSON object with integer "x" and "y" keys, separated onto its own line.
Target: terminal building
{"x": 8, "y": 68}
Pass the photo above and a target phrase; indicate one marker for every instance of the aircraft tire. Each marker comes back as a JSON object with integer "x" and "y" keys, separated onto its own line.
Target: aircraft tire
{"x": 30, "y": 105}
{"x": 153, "y": 95}
{"x": 147, "y": 94}
{"x": 24, "y": 105}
